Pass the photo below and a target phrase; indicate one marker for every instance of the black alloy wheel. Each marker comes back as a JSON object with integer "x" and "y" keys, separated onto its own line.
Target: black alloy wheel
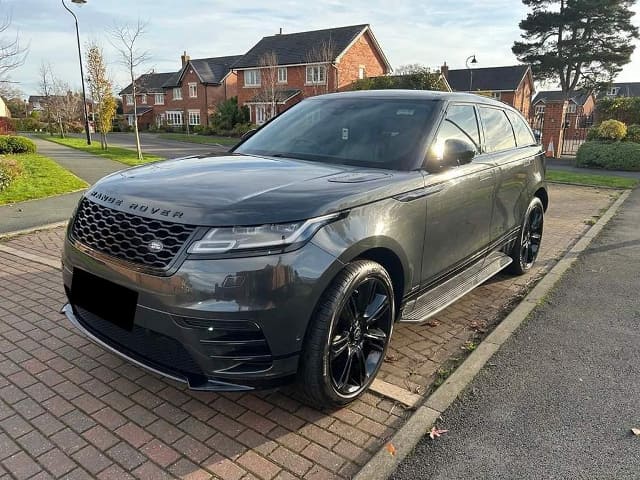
{"x": 525, "y": 251}
{"x": 348, "y": 336}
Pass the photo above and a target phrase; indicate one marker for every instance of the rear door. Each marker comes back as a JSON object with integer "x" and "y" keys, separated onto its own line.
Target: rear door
{"x": 459, "y": 202}
{"x": 501, "y": 149}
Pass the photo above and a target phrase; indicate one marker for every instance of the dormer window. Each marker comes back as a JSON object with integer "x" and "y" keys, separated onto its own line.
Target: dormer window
{"x": 613, "y": 91}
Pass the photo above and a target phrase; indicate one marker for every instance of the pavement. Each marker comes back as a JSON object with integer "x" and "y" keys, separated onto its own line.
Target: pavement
{"x": 151, "y": 143}
{"x": 561, "y": 396}
{"x": 69, "y": 409}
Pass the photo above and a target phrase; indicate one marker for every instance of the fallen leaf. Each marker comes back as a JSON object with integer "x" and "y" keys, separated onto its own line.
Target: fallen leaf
{"x": 636, "y": 431}
{"x": 390, "y": 448}
{"x": 433, "y": 323}
{"x": 436, "y": 432}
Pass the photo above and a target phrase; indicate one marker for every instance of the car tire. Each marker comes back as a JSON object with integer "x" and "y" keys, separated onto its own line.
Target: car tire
{"x": 347, "y": 338}
{"x": 526, "y": 249}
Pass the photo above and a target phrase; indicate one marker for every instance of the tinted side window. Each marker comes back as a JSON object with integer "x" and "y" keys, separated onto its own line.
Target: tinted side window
{"x": 460, "y": 123}
{"x": 497, "y": 129}
{"x": 524, "y": 137}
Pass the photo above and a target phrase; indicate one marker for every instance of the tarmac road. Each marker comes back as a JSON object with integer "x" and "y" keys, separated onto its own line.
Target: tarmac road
{"x": 558, "y": 401}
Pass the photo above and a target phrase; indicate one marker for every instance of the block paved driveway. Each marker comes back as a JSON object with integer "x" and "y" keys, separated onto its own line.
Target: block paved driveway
{"x": 69, "y": 409}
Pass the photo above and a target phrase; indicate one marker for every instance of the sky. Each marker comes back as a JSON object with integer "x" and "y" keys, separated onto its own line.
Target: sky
{"x": 428, "y": 32}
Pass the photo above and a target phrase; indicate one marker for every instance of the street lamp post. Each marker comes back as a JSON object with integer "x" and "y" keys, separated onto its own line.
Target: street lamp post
{"x": 473, "y": 60}
{"x": 84, "y": 95}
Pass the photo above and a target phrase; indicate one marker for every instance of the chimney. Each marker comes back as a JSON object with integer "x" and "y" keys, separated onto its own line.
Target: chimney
{"x": 185, "y": 58}
{"x": 444, "y": 70}
{"x": 280, "y": 33}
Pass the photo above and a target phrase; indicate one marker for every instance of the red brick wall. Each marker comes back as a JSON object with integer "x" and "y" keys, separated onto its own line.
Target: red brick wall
{"x": 552, "y": 129}
{"x": 361, "y": 53}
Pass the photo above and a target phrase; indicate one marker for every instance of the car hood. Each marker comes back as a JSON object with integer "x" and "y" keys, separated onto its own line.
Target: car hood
{"x": 245, "y": 190}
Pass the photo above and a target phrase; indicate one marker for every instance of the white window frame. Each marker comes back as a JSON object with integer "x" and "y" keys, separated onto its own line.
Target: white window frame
{"x": 159, "y": 99}
{"x": 130, "y": 119}
{"x": 128, "y": 99}
{"x": 539, "y": 109}
{"x": 193, "y": 117}
{"x": 143, "y": 99}
{"x": 282, "y": 75}
{"x": 362, "y": 72}
{"x": 613, "y": 91}
{"x": 177, "y": 90}
{"x": 496, "y": 95}
{"x": 572, "y": 108}
{"x": 193, "y": 90}
{"x": 175, "y": 118}
{"x": 316, "y": 75}
{"x": 160, "y": 119}
{"x": 252, "y": 78}
{"x": 261, "y": 113}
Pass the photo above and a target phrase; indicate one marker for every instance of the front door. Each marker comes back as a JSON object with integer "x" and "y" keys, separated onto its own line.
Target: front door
{"x": 459, "y": 202}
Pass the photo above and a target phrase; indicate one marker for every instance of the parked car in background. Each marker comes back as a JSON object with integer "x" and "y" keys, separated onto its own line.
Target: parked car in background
{"x": 292, "y": 258}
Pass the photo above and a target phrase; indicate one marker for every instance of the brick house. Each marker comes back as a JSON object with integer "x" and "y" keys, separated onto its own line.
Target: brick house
{"x": 150, "y": 98}
{"x": 183, "y": 98}
{"x": 512, "y": 85}
{"x": 281, "y": 70}
{"x": 192, "y": 94}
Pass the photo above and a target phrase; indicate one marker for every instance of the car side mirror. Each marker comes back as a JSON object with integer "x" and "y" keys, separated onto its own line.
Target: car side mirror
{"x": 248, "y": 134}
{"x": 457, "y": 152}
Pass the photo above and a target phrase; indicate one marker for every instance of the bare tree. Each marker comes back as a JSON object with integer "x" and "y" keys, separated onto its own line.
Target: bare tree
{"x": 409, "y": 69}
{"x": 46, "y": 82}
{"x": 12, "y": 54}
{"x": 322, "y": 56}
{"x": 269, "y": 92}
{"x": 125, "y": 40}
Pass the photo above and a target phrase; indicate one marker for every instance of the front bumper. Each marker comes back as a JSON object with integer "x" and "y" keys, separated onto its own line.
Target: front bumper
{"x": 218, "y": 325}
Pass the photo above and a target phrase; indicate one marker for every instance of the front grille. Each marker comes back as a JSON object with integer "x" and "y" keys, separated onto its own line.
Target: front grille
{"x": 159, "y": 351}
{"x": 127, "y": 237}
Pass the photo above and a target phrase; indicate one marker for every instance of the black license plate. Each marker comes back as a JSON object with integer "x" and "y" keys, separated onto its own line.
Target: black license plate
{"x": 103, "y": 298}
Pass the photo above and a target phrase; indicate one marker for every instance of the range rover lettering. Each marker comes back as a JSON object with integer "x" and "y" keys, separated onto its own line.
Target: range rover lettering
{"x": 291, "y": 258}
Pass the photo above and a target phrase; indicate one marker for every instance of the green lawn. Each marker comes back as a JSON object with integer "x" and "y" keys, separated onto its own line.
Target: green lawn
{"x": 123, "y": 155}
{"x": 182, "y": 137}
{"x": 42, "y": 177}
{"x": 590, "y": 179}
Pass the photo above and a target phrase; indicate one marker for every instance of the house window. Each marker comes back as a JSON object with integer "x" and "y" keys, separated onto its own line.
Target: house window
{"x": 261, "y": 114}
{"x": 496, "y": 95}
{"x": 129, "y": 99}
{"x": 160, "y": 119}
{"x": 194, "y": 117}
{"x": 316, "y": 74}
{"x": 193, "y": 90}
{"x": 177, "y": 93}
{"x": 571, "y": 108}
{"x": 174, "y": 118}
{"x": 282, "y": 75}
{"x": 130, "y": 119}
{"x": 252, "y": 78}
{"x": 361, "y": 72}
{"x": 143, "y": 99}
{"x": 539, "y": 109}
{"x": 613, "y": 91}
{"x": 159, "y": 99}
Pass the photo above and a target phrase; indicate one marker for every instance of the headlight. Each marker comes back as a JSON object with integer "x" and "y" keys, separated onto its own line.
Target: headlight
{"x": 273, "y": 236}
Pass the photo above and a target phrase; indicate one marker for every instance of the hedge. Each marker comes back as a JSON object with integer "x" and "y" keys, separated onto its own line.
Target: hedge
{"x": 609, "y": 155}
{"x": 14, "y": 144}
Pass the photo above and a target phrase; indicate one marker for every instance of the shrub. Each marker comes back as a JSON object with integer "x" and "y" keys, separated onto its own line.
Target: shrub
{"x": 10, "y": 169}
{"x": 240, "y": 129}
{"x": 612, "y": 130}
{"x": 609, "y": 156}
{"x": 14, "y": 144}
{"x": 633, "y": 133}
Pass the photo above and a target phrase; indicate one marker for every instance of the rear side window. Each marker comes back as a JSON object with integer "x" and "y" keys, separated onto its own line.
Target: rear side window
{"x": 524, "y": 137}
{"x": 461, "y": 124}
{"x": 497, "y": 129}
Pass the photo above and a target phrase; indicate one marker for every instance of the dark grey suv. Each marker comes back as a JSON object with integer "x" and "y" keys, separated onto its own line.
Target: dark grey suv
{"x": 292, "y": 257}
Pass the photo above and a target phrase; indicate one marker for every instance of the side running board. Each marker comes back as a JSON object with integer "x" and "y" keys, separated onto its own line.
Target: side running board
{"x": 440, "y": 297}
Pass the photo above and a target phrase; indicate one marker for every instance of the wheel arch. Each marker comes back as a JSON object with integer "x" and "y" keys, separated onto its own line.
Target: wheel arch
{"x": 543, "y": 195}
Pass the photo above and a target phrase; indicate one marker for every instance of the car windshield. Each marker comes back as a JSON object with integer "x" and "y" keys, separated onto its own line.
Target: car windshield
{"x": 369, "y": 132}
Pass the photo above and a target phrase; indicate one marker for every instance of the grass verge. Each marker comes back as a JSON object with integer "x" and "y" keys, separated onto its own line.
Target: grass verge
{"x": 42, "y": 177}
{"x": 590, "y": 179}
{"x": 205, "y": 139}
{"x": 122, "y": 155}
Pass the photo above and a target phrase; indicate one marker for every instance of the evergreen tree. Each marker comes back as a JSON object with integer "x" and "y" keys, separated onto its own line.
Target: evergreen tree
{"x": 578, "y": 43}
